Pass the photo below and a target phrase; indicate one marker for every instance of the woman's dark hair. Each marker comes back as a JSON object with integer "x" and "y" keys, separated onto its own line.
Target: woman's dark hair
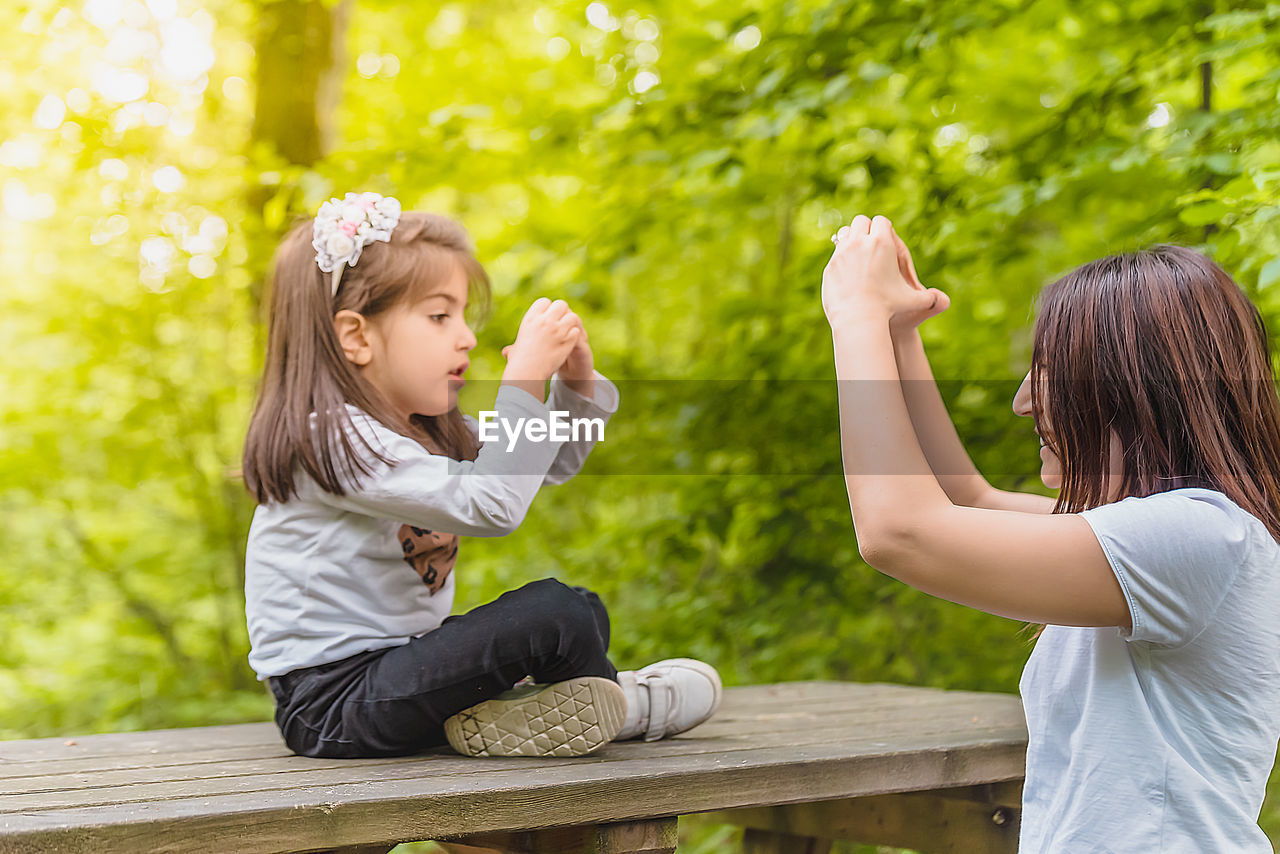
{"x": 1162, "y": 347}
{"x": 301, "y": 423}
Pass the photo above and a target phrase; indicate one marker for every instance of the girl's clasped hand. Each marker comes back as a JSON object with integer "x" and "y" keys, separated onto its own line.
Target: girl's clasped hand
{"x": 551, "y": 340}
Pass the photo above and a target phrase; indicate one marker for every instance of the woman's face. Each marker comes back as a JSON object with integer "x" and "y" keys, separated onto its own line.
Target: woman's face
{"x": 1050, "y": 465}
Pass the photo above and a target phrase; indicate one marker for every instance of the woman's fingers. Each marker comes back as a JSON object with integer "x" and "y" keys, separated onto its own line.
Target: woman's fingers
{"x": 905, "y": 264}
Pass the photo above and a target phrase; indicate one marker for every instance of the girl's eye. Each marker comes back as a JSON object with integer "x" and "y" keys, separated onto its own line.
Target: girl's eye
{"x": 439, "y": 318}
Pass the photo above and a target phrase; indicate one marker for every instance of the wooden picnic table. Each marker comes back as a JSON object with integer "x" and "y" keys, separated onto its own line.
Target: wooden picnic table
{"x": 798, "y": 764}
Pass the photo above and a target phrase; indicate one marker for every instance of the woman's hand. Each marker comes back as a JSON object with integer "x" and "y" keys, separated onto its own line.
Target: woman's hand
{"x": 865, "y": 279}
{"x": 907, "y": 267}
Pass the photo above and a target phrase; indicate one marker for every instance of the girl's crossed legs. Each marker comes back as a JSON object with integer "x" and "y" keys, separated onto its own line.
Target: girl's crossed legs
{"x": 395, "y": 701}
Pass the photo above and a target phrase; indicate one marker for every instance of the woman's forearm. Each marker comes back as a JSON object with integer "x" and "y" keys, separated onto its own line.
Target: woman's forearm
{"x": 890, "y": 486}
{"x": 936, "y": 433}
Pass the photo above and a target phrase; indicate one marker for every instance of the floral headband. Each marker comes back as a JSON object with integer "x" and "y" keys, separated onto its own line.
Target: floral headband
{"x": 343, "y": 228}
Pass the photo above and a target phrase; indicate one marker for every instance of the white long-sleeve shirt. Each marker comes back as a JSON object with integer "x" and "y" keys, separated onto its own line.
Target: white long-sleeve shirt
{"x": 326, "y": 576}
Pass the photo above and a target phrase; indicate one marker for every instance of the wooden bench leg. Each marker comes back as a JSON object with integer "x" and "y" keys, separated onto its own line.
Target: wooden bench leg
{"x": 957, "y": 821}
{"x": 654, "y": 836}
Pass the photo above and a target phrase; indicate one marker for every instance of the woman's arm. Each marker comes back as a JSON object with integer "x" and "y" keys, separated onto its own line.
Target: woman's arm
{"x": 948, "y": 459}
{"x": 950, "y": 463}
{"x": 1035, "y": 567}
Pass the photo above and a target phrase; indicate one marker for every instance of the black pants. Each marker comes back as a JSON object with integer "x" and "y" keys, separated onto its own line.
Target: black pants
{"x": 390, "y": 702}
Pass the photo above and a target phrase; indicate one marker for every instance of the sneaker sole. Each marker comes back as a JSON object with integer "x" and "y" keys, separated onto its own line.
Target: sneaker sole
{"x": 570, "y": 718}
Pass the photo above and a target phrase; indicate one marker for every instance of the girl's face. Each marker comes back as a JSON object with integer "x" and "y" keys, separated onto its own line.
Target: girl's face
{"x": 418, "y": 353}
{"x": 1050, "y": 464}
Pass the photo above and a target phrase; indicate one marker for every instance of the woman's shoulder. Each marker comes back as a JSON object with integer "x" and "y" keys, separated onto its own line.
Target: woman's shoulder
{"x": 1182, "y": 497}
{"x": 1188, "y": 513}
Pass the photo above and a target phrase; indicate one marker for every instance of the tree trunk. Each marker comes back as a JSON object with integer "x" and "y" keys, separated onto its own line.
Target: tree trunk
{"x": 299, "y": 48}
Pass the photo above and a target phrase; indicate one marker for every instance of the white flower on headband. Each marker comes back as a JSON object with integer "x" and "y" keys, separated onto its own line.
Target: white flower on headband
{"x": 343, "y": 228}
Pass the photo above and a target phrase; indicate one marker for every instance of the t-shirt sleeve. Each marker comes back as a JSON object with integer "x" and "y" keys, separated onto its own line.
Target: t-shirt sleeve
{"x": 485, "y": 497}
{"x": 1176, "y": 556}
{"x": 595, "y": 413}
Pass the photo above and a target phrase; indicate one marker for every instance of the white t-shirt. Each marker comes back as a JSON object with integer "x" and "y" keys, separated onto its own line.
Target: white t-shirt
{"x": 1161, "y": 740}
{"x": 326, "y": 576}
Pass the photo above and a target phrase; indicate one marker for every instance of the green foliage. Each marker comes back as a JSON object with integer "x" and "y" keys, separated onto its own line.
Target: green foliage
{"x": 674, "y": 170}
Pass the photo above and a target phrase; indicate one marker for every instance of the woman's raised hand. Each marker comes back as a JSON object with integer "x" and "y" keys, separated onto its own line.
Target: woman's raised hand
{"x": 907, "y": 267}
{"x": 869, "y": 276}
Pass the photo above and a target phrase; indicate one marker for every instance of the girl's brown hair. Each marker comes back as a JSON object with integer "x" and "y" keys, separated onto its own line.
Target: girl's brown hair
{"x": 301, "y": 423}
{"x": 1163, "y": 348}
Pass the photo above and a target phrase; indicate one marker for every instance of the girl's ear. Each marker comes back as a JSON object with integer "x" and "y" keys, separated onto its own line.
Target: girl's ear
{"x": 354, "y": 334}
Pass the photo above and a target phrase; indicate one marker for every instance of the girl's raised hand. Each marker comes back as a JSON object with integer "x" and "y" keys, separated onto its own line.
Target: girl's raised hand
{"x": 578, "y": 370}
{"x": 548, "y": 333}
{"x": 863, "y": 277}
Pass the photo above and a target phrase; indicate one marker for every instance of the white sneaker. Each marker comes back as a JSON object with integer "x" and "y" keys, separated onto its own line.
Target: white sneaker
{"x": 668, "y": 697}
{"x": 570, "y": 718}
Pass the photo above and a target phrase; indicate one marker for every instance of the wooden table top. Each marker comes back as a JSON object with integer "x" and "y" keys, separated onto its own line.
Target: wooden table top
{"x": 237, "y": 788}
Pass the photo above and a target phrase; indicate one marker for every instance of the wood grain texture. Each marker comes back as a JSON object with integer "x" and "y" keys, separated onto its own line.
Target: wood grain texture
{"x": 655, "y": 836}
{"x": 237, "y": 788}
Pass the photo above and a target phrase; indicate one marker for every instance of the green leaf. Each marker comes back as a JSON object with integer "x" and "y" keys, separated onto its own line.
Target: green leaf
{"x": 1203, "y": 213}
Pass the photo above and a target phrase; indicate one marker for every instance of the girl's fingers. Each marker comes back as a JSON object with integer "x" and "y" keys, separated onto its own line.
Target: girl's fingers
{"x": 558, "y": 308}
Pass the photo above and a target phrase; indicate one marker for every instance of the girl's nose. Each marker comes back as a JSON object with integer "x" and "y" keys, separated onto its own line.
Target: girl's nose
{"x": 1022, "y": 399}
{"x": 468, "y": 341}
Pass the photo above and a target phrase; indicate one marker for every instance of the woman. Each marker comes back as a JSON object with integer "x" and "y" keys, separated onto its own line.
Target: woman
{"x": 1153, "y": 694}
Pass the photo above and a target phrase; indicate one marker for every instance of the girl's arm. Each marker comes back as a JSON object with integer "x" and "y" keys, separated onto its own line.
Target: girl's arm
{"x": 1026, "y": 566}
{"x": 595, "y": 399}
{"x": 487, "y": 497}
{"x": 948, "y": 459}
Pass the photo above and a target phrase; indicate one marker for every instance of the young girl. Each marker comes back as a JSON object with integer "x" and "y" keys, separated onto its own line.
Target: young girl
{"x": 366, "y": 475}
{"x": 1153, "y": 694}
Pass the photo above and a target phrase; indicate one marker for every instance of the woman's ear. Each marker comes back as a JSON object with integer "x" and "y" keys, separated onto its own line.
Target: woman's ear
{"x": 353, "y": 332}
